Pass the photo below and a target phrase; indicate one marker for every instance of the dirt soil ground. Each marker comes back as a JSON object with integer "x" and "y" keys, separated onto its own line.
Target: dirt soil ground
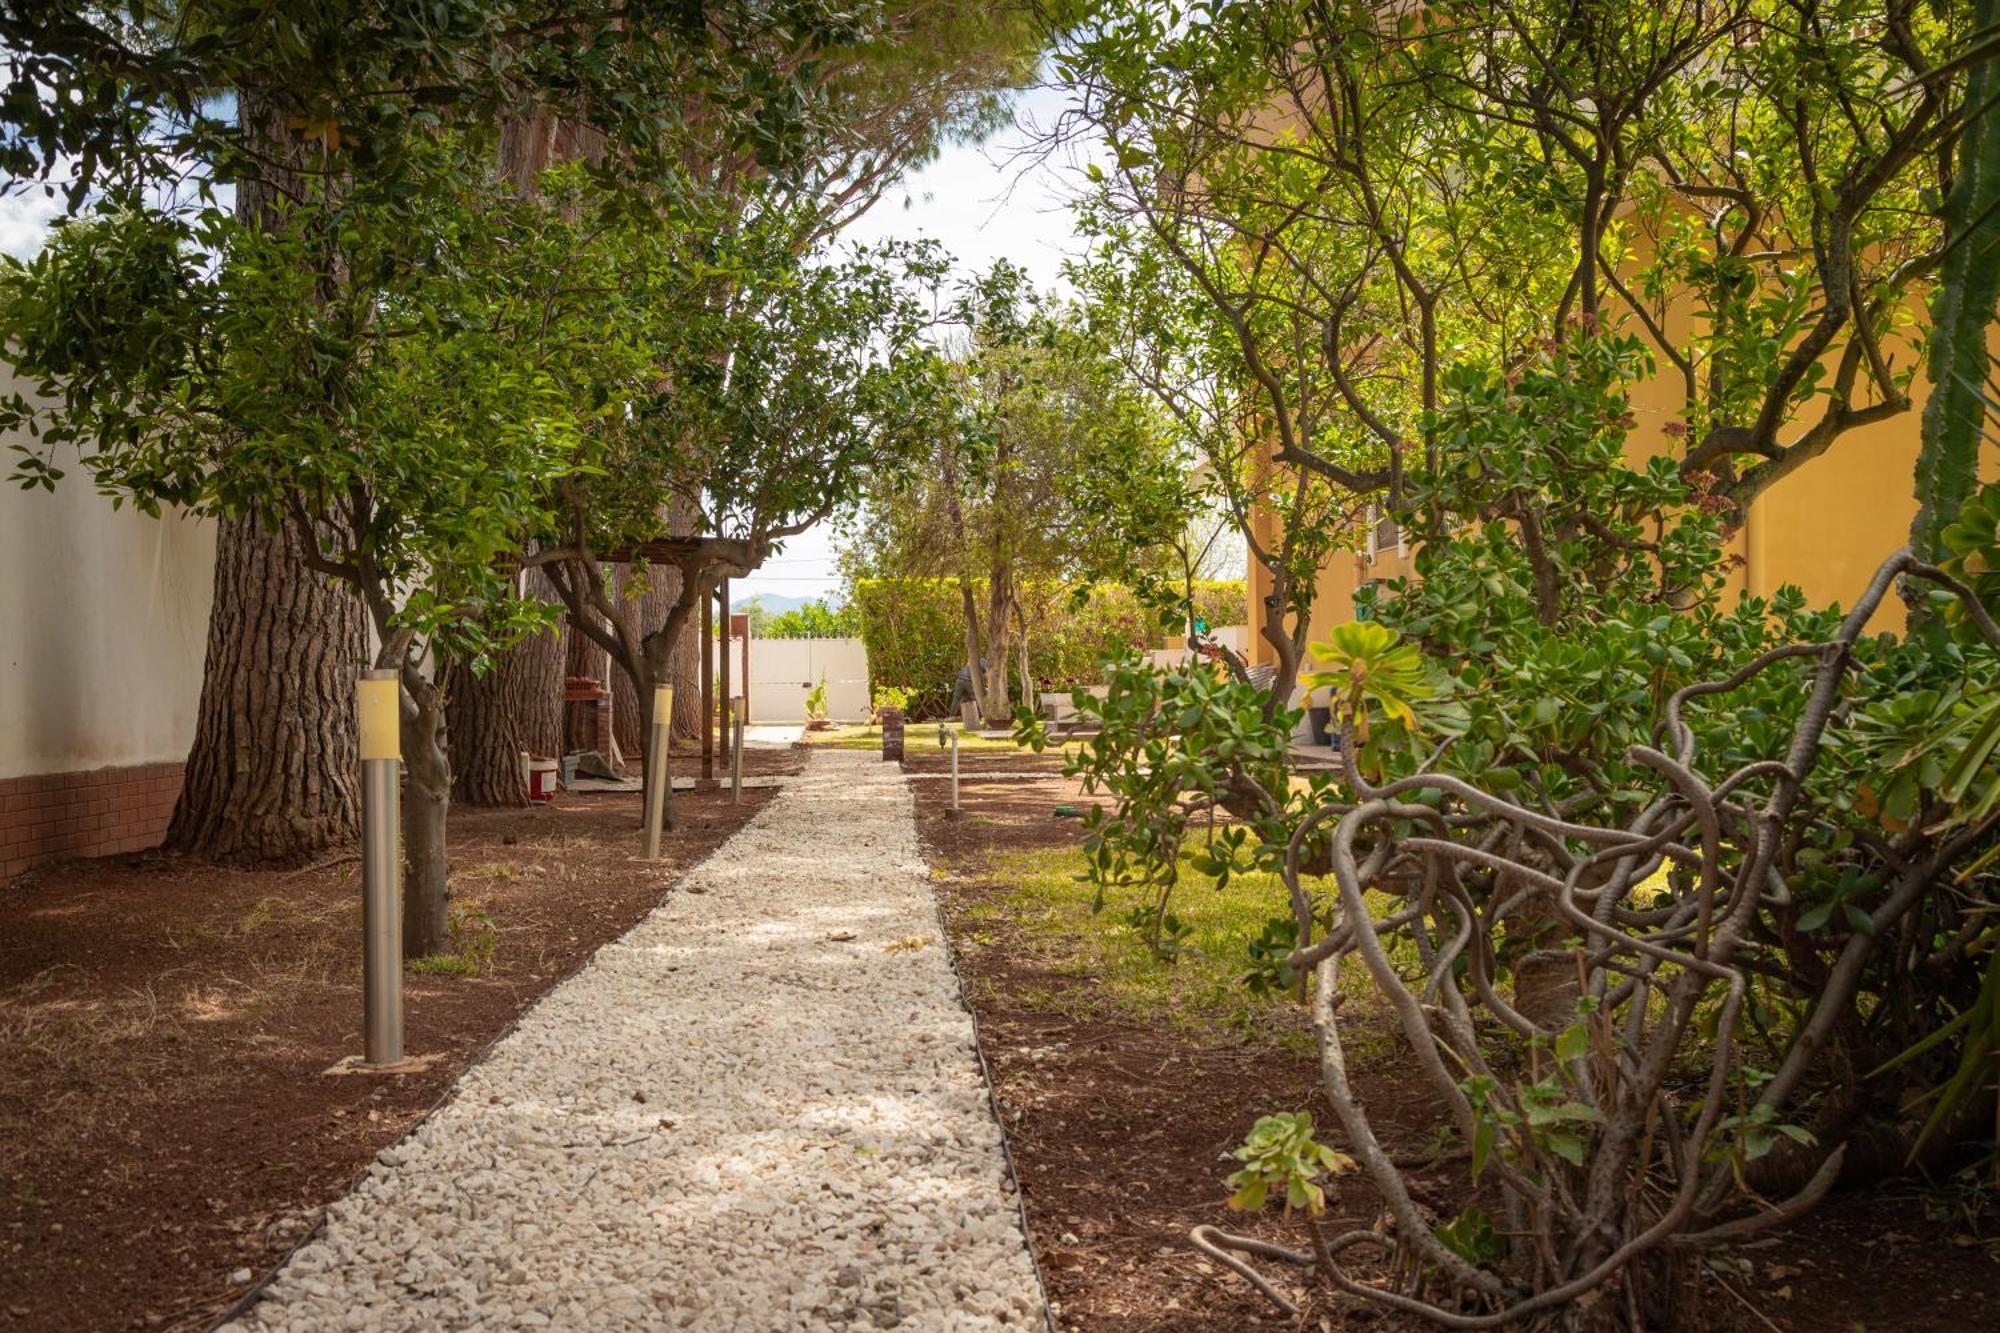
{"x": 168, "y": 1129}
{"x": 1120, "y": 1132}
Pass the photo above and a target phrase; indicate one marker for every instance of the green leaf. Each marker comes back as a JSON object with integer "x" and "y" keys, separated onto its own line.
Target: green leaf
{"x": 1566, "y": 1146}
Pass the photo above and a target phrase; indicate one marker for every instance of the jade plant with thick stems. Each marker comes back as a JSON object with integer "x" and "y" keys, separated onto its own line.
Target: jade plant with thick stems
{"x": 1683, "y": 909}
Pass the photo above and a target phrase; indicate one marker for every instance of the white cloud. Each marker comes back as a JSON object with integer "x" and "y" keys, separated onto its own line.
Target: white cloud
{"x": 25, "y": 215}
{"x": 999, "y": 199}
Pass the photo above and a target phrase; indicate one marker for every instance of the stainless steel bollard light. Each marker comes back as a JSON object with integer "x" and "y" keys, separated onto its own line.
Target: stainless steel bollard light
{"x": 736, "y": 753}
{"x": 378, "y": 705}
{"x": 953, "y": 735}
{"x": 659, "y": 774}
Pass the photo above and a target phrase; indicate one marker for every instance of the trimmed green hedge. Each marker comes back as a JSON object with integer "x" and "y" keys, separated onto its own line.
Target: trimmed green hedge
{"x": 915, "y": 633}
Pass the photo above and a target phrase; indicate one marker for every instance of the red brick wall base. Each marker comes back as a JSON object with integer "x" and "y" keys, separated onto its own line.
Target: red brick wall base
{"x": 99, "y": 813}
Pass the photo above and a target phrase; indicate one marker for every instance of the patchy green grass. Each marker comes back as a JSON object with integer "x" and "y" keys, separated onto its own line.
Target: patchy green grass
{"x": 1202, "y": 988}
{"x": 851, "y": 736}
{"x": 474, "y": 942}
{"x": 444, "y": 965}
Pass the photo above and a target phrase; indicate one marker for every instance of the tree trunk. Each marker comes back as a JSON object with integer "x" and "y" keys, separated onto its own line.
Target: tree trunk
{"x": 426, "y": 803}
{"x": 1540, "y": 948}
{"x": 975, "y": 660}
{"x": 273, "y": 774}
{"x": 997, "y": 708}
{"x": 1028, "y": 697}
{"x": 516, "y": 705}
{"x": 631, "y": 720}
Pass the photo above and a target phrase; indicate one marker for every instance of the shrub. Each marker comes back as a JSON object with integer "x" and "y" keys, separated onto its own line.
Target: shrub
{"x": 914, "y": 630}
{"x": 814, "y": 620}
{"x": 888, "y": 696}
{"x": 1698, "y": 894}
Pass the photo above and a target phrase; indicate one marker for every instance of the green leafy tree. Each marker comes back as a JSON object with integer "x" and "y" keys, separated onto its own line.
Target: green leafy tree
{"x": 150, "y": 107}
{"x": 664, "y": 103}
{"x": 407, "y": 434}
{"x": 1583, "y": 787}
{"x": 1594, "y": 828}
{"x": 763, "y": 416}
{"x": 1038, "y": 424}
{"x": 1312, "y": 211}
{"x": 814, "y": 620}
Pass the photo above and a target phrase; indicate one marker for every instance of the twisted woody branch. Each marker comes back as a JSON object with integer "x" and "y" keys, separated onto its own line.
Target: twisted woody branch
{"x": 1640, "y": 1165}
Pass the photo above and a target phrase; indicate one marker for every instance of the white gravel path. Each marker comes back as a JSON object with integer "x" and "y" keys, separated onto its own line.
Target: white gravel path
{"x": 762, "y": 1109}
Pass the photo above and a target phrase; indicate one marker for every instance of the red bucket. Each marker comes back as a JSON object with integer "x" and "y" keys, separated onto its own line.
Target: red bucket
{"x": 541, "y": 779}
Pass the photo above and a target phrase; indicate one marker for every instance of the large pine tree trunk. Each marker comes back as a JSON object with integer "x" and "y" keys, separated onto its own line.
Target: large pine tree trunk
{"x": 273, "y": 774}
{"x": 516, "y": 705}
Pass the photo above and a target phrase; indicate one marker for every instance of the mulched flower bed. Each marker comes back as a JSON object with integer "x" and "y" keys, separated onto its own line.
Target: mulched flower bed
{"x": 1120, "y": 1130}
{"x": 167, "y": 1127}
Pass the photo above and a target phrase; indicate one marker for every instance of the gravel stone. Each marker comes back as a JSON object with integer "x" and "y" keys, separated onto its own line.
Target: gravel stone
{"x": 748, "y": 1113}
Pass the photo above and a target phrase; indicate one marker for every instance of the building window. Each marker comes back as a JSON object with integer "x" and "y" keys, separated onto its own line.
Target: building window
{"x": 1383, "y": 534}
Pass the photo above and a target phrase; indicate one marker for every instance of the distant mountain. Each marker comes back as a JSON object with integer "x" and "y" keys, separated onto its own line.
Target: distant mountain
{"x": 777, "y": 604}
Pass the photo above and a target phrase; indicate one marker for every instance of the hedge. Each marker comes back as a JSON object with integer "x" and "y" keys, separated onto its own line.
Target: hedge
{"x": 915, "y": 632}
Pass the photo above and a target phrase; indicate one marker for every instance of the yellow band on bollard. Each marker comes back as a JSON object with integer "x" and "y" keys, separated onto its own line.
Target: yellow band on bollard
{"x": 663, "y": 704}
{"x": 378, "y": 704}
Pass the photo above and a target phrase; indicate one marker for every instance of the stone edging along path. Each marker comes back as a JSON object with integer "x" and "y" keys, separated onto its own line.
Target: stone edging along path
{"x": 761, "y": 1109}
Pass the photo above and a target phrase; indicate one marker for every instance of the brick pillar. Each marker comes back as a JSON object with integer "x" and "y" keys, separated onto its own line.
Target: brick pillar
{"x": 892, "y": 735}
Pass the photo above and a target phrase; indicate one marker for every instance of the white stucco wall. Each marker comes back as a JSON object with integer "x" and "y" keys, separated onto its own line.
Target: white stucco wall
{"x": 784, "y": 671}
{"x": 103, "y": 625}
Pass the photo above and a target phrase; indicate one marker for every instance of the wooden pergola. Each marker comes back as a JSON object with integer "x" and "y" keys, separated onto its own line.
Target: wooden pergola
{"x": 716, "y": 712}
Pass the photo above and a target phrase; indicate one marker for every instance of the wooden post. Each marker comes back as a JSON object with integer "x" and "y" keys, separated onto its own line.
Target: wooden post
{"x": 708, "y": 688}
{"x": 743, "y": 711}
{"x": 722, "y": 698}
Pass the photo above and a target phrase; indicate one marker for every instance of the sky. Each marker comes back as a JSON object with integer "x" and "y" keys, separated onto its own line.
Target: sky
{"x": 981, "y": 202}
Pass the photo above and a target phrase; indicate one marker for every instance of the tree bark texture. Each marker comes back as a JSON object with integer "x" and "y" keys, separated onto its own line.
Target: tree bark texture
{"x": 426, "y": 804}
{"x": 516, "y": 705}
{"x": 492, "y": 718}
{"x": 628, "y": 714}
{"x": 998, "y": 706}
{"x": 273, "y": 772}
{"x": 975, "y": 658}
{"x": 273, "y": 775}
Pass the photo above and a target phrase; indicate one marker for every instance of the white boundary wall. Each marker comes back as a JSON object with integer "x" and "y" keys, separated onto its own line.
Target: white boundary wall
{"x": 783, "y": 671}
{"x": 103, "y": 626}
